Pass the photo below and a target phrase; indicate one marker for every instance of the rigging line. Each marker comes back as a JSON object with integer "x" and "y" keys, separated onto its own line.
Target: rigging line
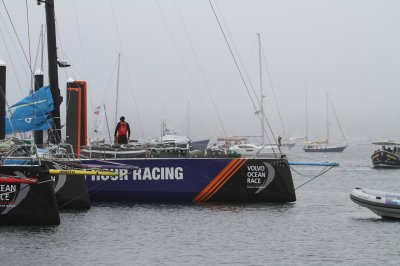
{"x": 260, "y": 116}
{"x": 16, "y": 34}
{"x": 337, "y": 119}
{"x": 82, "y": 52}
{"x": 62, "y": 53}
{"x": 238, "y": 68}
{"x": 116, "y": 26}
{"x": 59, "y": 39}
{"x": 37, "y": 53}
{"x": 78, "y": 73}
{"x": 129, "y": 77}
{"x": 133, "y": 96}
{"x": 10, "y": 57}
{"x": 273, "y": 90}
{"x": 202, "y": 127}
{"x": 239, "y": 57}
{"x": 186, "y": 66}
{"x": 109, "y": 81}
{"x": 318, "y": 175}
{"x": 238, "y": 54}
{"x": 29, "y": 41}
{"x": 80, "y": 40}
{"x": 104, "y": 96}
{"x": 198, "y": 64}
{"x": 44, "y": 31}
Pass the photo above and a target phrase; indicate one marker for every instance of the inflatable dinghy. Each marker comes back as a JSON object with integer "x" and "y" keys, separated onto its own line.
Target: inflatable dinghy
{"x": 384, "y": 204}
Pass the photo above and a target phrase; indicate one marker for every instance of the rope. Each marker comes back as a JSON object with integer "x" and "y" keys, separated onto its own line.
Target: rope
{"x": 9, "y": 54}
{"x": 198, "y": 65}
{"x": 45, "y": 181}
{"x": 29, "y": 41}
{"x": 314, "y": 177}
{"x": 337, "y": 119}
{"x": 262, "y": 116}
{"x": 19, "y": 41}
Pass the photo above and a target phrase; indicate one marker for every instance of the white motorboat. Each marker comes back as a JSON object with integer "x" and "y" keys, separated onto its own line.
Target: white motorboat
{"x": 384, "y": 204}
{"x": 252, "y": 150}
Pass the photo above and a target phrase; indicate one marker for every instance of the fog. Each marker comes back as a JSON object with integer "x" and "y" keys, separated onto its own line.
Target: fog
{"x": 176, "y": 65}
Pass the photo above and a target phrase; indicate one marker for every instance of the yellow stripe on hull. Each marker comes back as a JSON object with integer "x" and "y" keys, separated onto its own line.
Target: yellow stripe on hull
{"x": 82, "y": 172}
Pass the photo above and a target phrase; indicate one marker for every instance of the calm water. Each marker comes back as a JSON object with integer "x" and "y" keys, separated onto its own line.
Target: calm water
{"x": 324, "y": 227}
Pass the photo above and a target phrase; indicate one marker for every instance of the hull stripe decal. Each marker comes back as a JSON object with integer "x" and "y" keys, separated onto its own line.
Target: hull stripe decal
{"x": 221, "y": 184}
{"x": 205, "y": 191}
{"x": 219, "y": 180}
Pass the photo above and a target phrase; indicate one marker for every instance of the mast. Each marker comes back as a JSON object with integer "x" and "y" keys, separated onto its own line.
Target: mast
{"x": 327, "y": 117}
{"x": 306, "y": 113}
{"x": 3, "y": 102}
{"x": 116, "y": 98}
{"x": 41, "y": 46}
{"x": 188, "y": 125}
{"x": 55, "y": 137}
{"x": 261, "y": 90}
{"x": 39, "y": 79}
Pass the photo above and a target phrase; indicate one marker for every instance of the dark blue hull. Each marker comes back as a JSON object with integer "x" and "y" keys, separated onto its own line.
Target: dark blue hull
{"x": 325, "y": 149}
{"x": 194, "y": 180}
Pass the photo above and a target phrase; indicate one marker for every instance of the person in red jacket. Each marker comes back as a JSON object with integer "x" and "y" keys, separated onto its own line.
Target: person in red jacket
{"x": 122, "y": 131}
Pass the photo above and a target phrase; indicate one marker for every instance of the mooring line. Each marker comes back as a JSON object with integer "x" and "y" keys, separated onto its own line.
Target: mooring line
{"x": 318, "y": 175}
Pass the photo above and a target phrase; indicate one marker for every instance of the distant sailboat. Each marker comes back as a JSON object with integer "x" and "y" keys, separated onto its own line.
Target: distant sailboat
{"x": 323, "y": 145}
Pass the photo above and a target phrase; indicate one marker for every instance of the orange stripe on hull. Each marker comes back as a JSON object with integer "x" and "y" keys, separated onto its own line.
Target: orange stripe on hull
{"x": 205, "y": 191}
{"x": 219, "y": 180}
{"x": 222, "y": 183}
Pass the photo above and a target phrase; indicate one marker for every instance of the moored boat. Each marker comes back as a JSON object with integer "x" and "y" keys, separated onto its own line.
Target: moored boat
{"x": 252, "y": 150}
{"x": 173, "y": 177}
{"x": 384, "y": 204}
{"x": 388, "y": 156}
{"x": 313, "y": 147}
{"x": 324, "y": 145}
{"x": 196, "y": 180}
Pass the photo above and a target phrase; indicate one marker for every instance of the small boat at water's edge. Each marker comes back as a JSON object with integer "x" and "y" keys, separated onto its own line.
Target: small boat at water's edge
{"x": 388, "y": 156}
{"x": 323, "y": 145}
{"x": 384, "y": 204}
{"x": 320, "y": 148}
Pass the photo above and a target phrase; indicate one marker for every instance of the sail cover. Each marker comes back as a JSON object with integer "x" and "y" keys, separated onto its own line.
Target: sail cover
{"x": 31, "y": 113}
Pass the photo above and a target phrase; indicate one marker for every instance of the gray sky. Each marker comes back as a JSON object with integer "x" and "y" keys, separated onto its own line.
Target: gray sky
{"x": 349, "y": 49}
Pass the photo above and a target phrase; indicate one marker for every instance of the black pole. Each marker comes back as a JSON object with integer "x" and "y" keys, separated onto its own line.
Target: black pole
{"x": 2, "y": 99}
{"x": 55, "y": 137}
{"x": 38, "y": 134}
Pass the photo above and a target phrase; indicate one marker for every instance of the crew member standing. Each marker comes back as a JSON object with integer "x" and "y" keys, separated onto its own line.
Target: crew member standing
{"x": 122, "y": 131}
{"x": 279, "y": 141}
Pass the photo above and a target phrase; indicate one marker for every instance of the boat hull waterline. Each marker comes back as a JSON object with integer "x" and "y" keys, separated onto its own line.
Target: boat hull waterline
{"x": 194, "y": 180}
{"x": 325, "y": 149}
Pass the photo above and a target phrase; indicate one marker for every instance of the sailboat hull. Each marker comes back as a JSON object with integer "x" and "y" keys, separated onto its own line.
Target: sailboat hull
{"x": 198, "y": 180}
{"x": 325, "y": 149}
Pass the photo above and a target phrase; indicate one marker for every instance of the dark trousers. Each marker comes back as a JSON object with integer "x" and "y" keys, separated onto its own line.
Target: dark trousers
{"x": 123, "y": 139}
